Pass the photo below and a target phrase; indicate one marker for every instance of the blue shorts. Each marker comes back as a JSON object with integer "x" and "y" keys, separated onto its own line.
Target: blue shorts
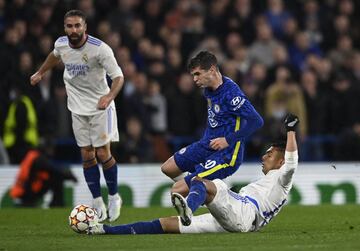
{"x": 200, "y": 160}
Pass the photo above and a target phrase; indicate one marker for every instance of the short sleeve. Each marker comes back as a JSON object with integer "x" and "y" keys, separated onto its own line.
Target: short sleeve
{"x": 108, "y": 61}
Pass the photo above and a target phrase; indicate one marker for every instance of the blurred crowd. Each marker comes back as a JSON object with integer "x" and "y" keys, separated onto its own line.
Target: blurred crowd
{"x": 299, "y": 56}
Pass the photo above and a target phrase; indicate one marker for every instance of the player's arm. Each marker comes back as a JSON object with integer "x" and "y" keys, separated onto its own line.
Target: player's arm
{"x": 116, "y": 86}
{"x": 108, "y": 61}
{"x": 48, "y": 64}
{"x": 291, "y": 153}
{"x": 250, "y": 119}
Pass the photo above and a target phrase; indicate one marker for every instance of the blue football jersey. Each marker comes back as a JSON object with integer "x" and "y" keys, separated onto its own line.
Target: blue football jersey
{"x": 230, "y": 113}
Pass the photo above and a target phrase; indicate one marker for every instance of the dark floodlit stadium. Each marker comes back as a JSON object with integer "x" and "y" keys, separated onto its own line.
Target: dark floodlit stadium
{"x": 189, "y": 124}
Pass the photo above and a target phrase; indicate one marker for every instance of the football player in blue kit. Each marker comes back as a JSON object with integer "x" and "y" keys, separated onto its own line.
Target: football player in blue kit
{"x": 231, "y": 118}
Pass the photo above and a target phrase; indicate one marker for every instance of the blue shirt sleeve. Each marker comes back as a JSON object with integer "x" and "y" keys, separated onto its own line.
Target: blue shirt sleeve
{"x": 251, "y": 120}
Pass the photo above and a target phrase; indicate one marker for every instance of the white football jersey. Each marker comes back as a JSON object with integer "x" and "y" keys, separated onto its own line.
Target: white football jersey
{"x": 85, "y": 73}
{"x": 271, "y": 191}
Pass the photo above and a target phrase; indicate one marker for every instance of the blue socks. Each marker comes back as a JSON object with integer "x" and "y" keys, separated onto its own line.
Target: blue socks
{"x": 149, "y": 227}
{"x": 197, "y": 195}
{"x": 110, "y": 175}
{"x": 92, "y": 177}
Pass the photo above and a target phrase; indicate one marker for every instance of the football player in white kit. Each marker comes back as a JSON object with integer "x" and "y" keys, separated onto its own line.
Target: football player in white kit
{"x": 87, "y": 60}
{"x": 249, "y": 210}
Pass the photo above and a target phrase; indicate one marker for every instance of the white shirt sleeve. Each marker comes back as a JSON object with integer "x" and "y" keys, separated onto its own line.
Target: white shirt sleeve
{"x": 108, "y": 61}
{"x": 288, "y": 169}
{"x": 56, "y": 48}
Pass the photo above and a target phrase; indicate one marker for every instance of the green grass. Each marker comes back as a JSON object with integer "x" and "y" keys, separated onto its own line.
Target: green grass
{"x": 295, "y": 228}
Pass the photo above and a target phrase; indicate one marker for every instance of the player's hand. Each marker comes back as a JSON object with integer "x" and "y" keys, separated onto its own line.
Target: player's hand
{"x": 291, "y": 121}
{"x": 36, "y": 78}
{"x": 104, "y": 102}
{"x": 218, "y": 143}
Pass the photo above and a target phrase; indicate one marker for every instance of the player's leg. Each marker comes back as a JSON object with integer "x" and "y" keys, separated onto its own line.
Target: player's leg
{"x": 142, "y": 227}
{"x": 185, "y": 160}
{"x": 180, "y": 187}
{"x": 170, "y": 169}
{"x": 111, "y": 175}
{"x": 201, "y": 191}
{"x": 82, "y": 131}
{"x": 234, "y": 212}
{"x": 201, "y": 224}
{"x": 103, "y": 130}
{"x": 92, "y": 178}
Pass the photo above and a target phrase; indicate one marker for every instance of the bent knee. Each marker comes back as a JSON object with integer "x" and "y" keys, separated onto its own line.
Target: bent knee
{"x": 170, "y": 169}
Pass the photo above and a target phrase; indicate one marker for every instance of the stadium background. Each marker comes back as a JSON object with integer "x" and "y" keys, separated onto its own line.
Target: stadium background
{"x": 298, "y": 55}
{"x": 287, "y": 56}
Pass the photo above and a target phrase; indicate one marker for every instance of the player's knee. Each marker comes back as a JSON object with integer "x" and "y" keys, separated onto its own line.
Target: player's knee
{"x": 170, "y": 169}
{"x": 87, "y": 153}
{"x": 180, "y": 188}
{"x": 102, "y": 154}
{"x": 165, "y": 169}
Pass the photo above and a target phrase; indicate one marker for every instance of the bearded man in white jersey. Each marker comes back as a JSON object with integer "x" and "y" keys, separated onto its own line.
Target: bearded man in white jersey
{"x": 249, "y": 210}
{"x": 87, "y": 61}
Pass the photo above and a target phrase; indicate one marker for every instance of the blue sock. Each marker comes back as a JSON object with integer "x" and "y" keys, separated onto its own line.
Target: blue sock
{"x": 197, "y": 195}
{"x": 149, "y": 227}
{"x": 110, "y": 175}
{"x": 92, "y": 177}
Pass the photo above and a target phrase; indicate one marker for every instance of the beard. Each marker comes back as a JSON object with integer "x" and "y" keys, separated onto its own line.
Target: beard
{"x": 75, "y": 38}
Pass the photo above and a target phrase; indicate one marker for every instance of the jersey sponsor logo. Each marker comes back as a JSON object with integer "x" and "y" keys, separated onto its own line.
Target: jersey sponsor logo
{"x": 77, "y": 69}
{"x": 269, "y": 215}
{"x": 237, "y": 102}
{"x": 216, "y": 108}
{"x": 209, "y": 164}
{"x": 182, "y": 150}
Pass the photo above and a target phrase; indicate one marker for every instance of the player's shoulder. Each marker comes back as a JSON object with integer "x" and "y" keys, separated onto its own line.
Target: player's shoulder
{"x": 94, "y": 41}
{"x": 62, "y": 41}
{"x": 232, "y": 88}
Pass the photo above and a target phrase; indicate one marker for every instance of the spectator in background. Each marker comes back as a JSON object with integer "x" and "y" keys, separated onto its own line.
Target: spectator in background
{"x": 37, "y": 175}
{"x": 135, "y": 103}
{"x": 186, "y": 113}
{"x": 261, "y": 51}
{"x": 282, "y": 97}
{"x": 158, "y": 121}
{"x": 315, "y": 102}
{"x": 276, "y": 16}
{"x": 343, "y": 105}
{"x": 240, "y": 55}
{"x": 241, "y": 18}
{"x": 135, "y": 147}
{"x": 291, "y": 27}
{"x": 301, "y": 49}
{"x": 348, "y": 145}
{"x": 343, "y": 51}
{"x": 156, "y": 38}
{"x": 21, "y": 126}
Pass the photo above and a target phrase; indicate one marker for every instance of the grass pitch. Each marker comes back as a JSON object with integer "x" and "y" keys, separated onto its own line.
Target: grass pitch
{"x": 295, "y": 228}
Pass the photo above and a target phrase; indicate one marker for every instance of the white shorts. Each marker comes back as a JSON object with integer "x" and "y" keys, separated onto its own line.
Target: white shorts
{"x": 230, "y": 212}
{"x": 96, "y": 130}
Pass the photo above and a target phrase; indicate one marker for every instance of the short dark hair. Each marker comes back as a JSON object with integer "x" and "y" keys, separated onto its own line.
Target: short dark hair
{"x": 280, "y": 146}
{"x": 204, "y": 59}
{"x": 75, "y": 13}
